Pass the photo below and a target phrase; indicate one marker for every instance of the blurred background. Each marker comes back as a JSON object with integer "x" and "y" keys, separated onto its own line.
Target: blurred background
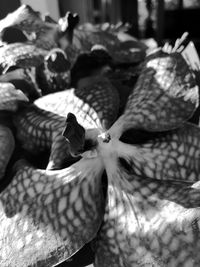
{"x": 162, "y": 20}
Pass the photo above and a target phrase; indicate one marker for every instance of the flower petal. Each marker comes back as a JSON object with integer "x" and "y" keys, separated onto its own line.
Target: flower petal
{"x": 148, "y": 222}
{"x": 94, "y": 106}
{"x": 103, "y": 97}
{"x": 171, "y": 155}
{"x": 46, "y": 216}
{"x": 7, "y": 144}
{"x": 165, "y": 95}
{"x": 20, "y": 55}
{"x": 66, "y": 101}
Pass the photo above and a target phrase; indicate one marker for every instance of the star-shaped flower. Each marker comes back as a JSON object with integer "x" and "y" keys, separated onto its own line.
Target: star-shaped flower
{"x": 135, "y": 194}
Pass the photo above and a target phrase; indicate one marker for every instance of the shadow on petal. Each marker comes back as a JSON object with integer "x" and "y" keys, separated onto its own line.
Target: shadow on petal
{"x": 148, "y": 221}
{"x": 47, "y": 216}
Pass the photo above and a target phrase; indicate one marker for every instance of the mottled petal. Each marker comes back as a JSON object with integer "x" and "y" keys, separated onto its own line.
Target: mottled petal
{"x": 40, "y": 126}
{"x": 21, "y": 77}
{"x": 68, "y": 101}
{"x": 20, "y": 55}
{"x": 103, "y": 97}
{"x": 10, "y": 97}
{"x": 164, "y": 96}
{"x": 39, "y": 130}
{"x": 7, "y": 145}
{"x": 148, "y": 222}
{"x": 46, "y": 216}
{"x": 171, "y": 155}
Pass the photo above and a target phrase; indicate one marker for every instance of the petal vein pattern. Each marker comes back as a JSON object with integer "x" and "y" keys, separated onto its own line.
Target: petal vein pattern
{"x": 49, "y": 215}
{"x": 171, "y": 155}
{"x": 148, "y": 222}
{"x": 165, "y": 95}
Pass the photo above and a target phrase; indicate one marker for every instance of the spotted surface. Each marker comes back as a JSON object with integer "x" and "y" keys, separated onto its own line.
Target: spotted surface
{"x": 164, "y": 96}
{"x": 33, "y": 68}
{"x": 88, "y": 106}
{"x": 7, "y": 145}
{"x": 10, "y": 97}
{"x": 148, "y": 222}
{"x": 39, "y": 130}
{"x": 23, "y": 78}
{"x": 46, "y": 216}
{"x": 103, "y": 97}
{"x": 9, "y": 101}
{"x": 151, "y": 213}
{"x": 174, "y": 155}
{"x": 20, "y": 55}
